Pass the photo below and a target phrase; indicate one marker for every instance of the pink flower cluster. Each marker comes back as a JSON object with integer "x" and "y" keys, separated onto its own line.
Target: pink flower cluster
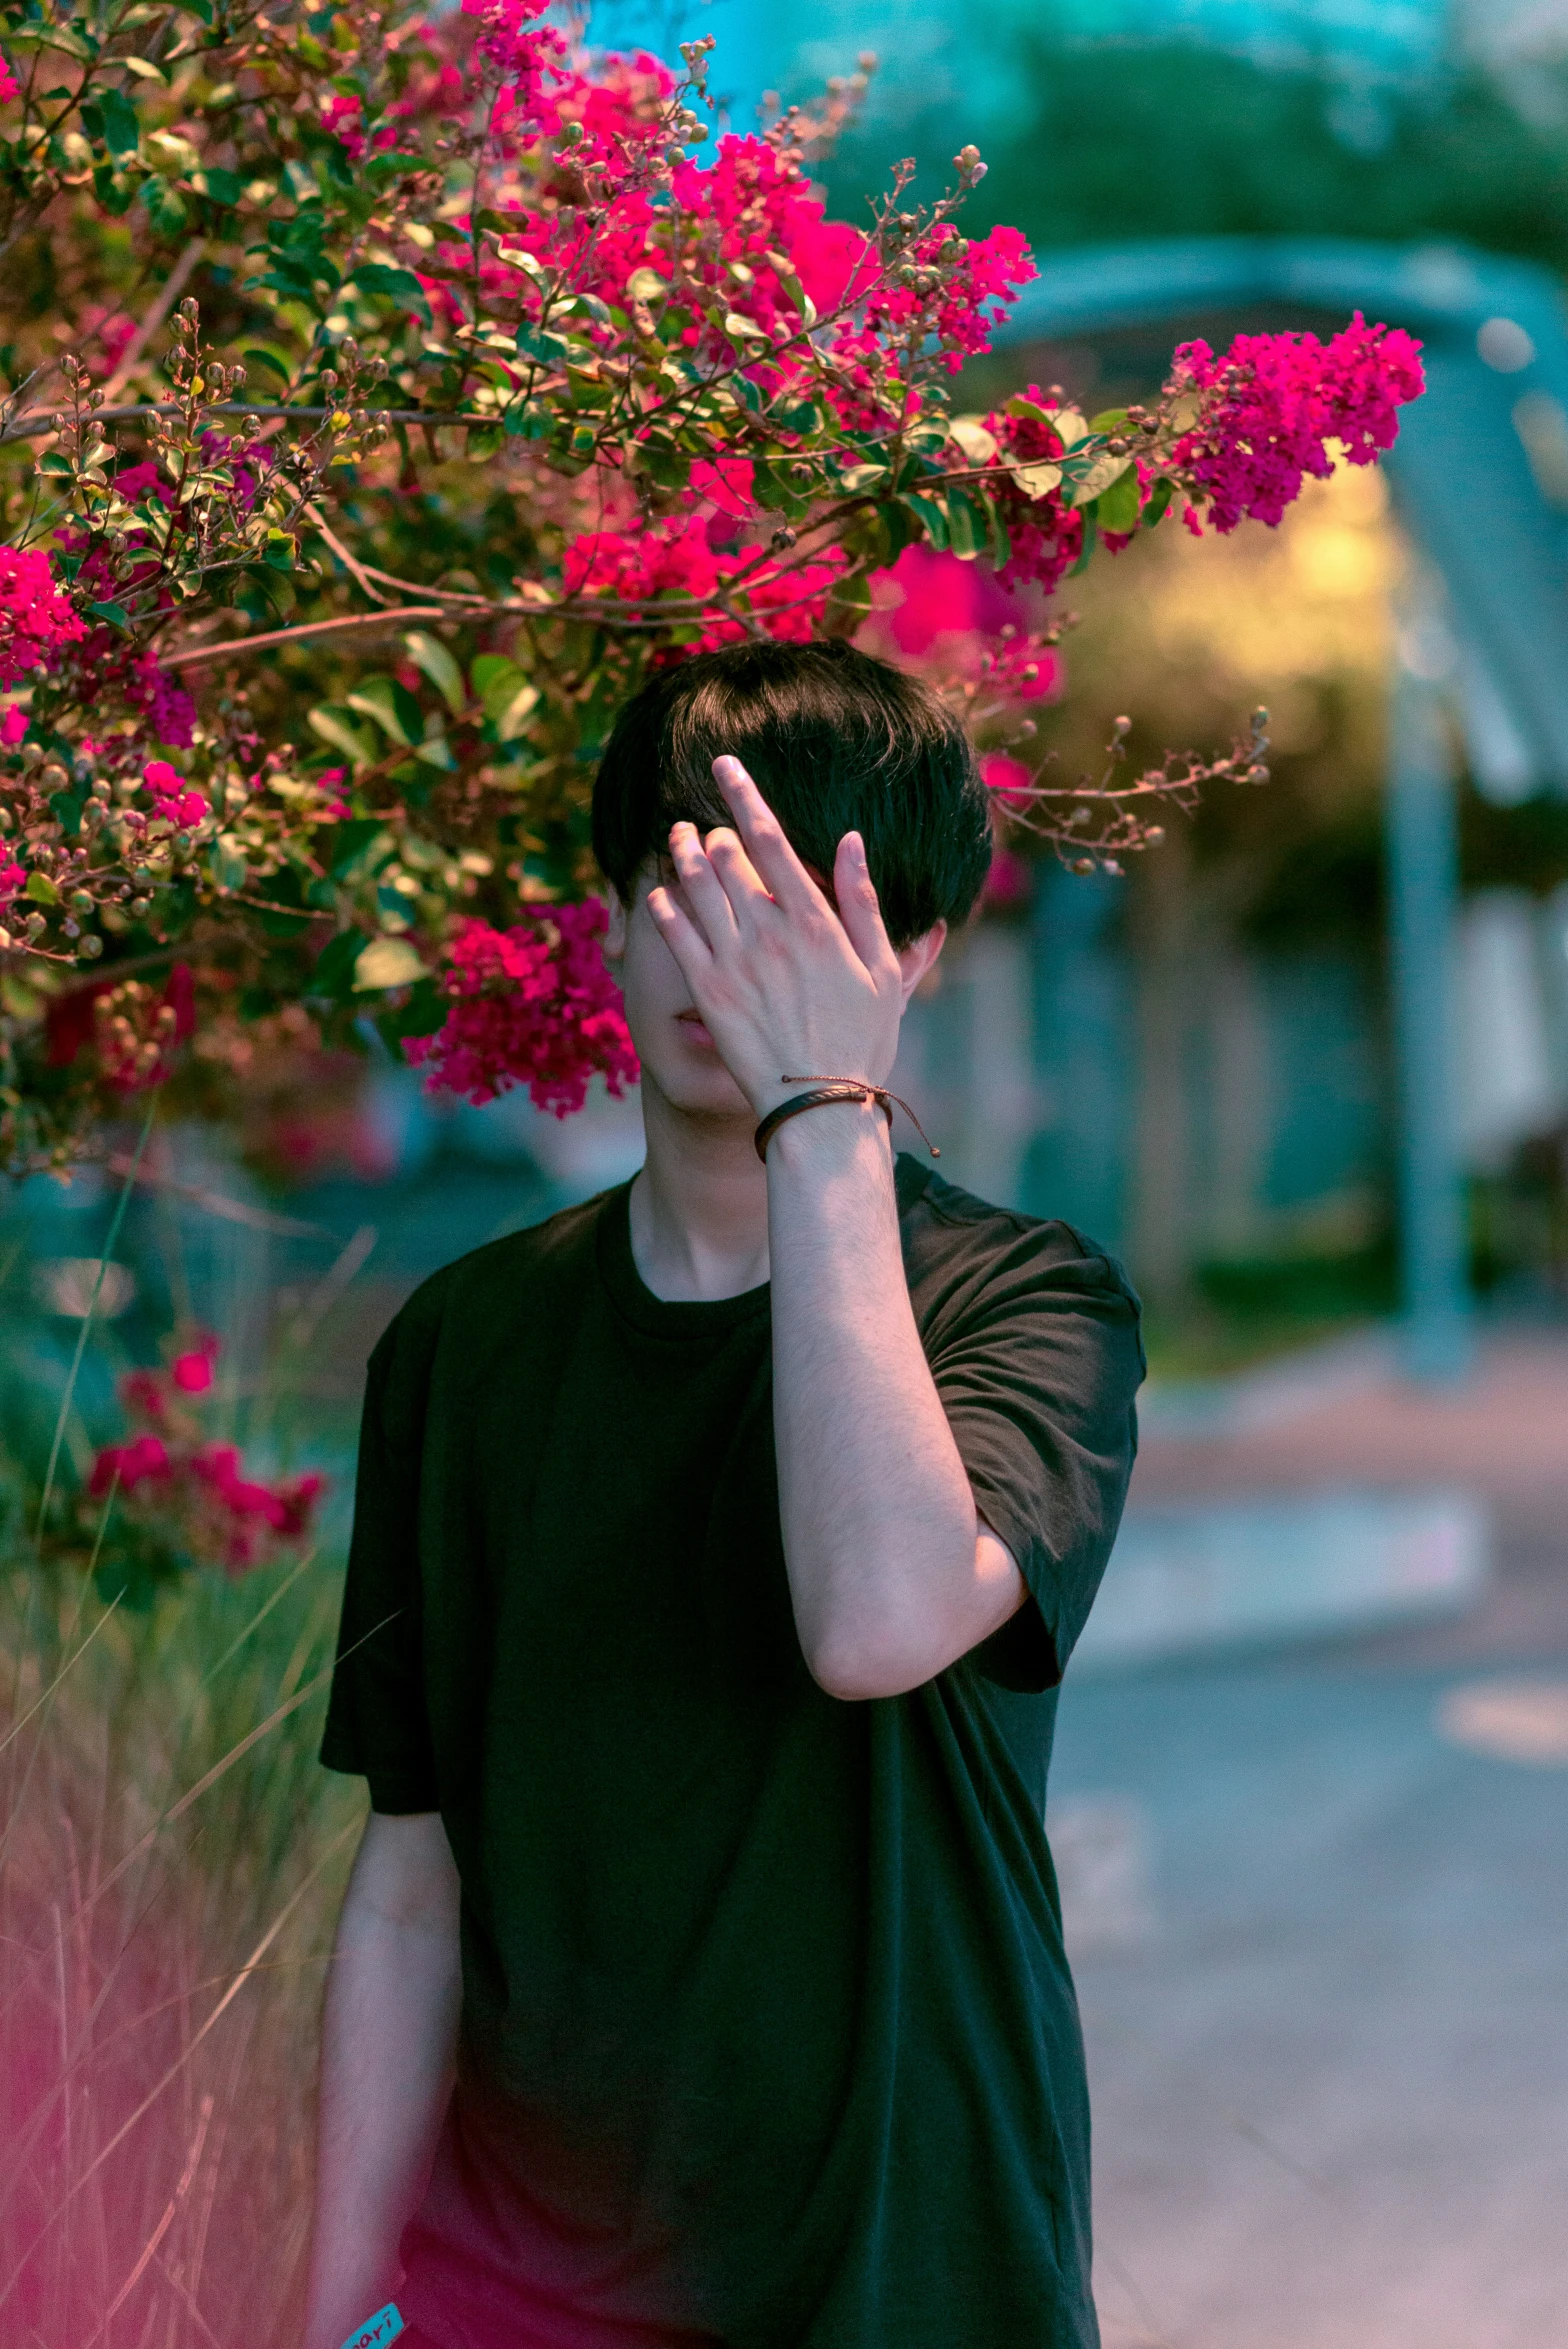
{"x": 8, "y": 83}
{"x": 744, "y": 232}
{"x": 532, "y": 1005}
{"x": 976, "y": 291}
{"x": 677, "y": 558}
{"x": 196, "y": 1489}
{"x": 1271, "y": 405}
{"x": 35, "y": 613}
{"x": 172, "y": 797}
{"x": 13, "y": 877}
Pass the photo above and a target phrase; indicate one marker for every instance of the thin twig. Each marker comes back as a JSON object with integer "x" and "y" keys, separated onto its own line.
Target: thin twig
{"x": 32, "y": 427}
{"x": 256, "y": 1219}
{"x": 169, "y": 293}
{"x": 355, "y": 569}
{"x": 393, "y": 616}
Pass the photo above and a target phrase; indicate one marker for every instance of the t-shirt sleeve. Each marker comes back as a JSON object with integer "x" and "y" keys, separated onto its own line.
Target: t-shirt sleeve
{"x": 377, "y": 1726}
{"x": 1037, "y": 1373}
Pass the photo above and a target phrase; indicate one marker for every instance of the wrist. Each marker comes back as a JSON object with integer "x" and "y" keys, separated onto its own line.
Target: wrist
{"x": 830, "y": 1135}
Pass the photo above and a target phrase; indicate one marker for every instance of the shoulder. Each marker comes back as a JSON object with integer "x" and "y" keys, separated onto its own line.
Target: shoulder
{"x": 944, "y": 1225}
{"x": 483, "y": 1290}
{"x": 968, "y": 1260}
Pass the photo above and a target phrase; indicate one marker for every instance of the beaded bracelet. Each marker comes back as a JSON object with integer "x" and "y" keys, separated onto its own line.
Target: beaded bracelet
{"x": 825, "y": 1091}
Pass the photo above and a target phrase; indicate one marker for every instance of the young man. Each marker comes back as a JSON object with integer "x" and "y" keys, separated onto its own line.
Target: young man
{"x": 719, "y": 1545}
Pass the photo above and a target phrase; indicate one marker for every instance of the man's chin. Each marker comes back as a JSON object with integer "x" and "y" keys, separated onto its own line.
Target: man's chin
{"x": 704, "y": 1092}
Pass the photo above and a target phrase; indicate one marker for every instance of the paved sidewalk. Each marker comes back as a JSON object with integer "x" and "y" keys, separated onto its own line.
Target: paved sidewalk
{"x": 1350, "y": 1420}
{"x": 1321, "y": 1940}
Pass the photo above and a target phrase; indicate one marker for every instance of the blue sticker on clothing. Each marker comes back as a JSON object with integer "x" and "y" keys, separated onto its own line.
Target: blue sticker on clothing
{"x": 377, "y": 2330}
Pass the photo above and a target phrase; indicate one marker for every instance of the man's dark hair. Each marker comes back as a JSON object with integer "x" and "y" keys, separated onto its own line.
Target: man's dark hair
{"x": 836, "y": 742}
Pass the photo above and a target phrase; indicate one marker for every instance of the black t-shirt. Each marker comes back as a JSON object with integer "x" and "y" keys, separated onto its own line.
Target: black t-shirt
{"x": 768, "y": 2036}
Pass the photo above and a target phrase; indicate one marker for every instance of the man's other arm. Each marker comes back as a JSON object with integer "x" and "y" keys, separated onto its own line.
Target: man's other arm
{"x": 389, "y": 2039}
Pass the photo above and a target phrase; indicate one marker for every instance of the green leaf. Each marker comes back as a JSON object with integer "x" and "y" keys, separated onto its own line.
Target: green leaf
{"x": 115, "y": 614}
{"x": 1108, "y": 420}
{"x": 270, "y": 362}
{"x": 398, "y": 286}
{"x": 364, "y": 843}
{"x": 222, "y": 187}
{"x": 1095, "y": 480}
{"x": 387, "y": 962}
{"x": 335, "y": 725}
{"x": 41, "y": 890}
{"x": 392, "y": 706}
{"x": 421, "y": 1015}
{"x": 121, "y": 131}
{"x": 1159, "y": 502}
{"x": 1117, "y": 507}
{"x": 968, "y": 531}
{"x": 165, "y": 207}
{"x": 544, "y": 348}
{"x": 430, "y": 654}
{"x": 334, "y": 971}
{"x": 930, "y": 513}
{"x": 505, "y": 694}
{"x": 54, "y": 36}
{"x": 1089, "y": 536}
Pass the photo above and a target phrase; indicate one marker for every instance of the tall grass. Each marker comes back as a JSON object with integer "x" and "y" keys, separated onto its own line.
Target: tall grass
{"x": 171, "y": 1861}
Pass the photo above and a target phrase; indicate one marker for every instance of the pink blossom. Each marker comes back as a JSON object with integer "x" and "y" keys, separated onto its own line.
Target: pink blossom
{"x": 142, "y": 1394}
{"x": 192, "y": 1372}
{"x": 727, "y": 482}
{"x": 143, "y": 480}
{"x": 1007, "y": 779}
{"x": 532, "y": 1005}
{"x": 13, "y": 724}
{"x": 675, "y": 558}
{"x": 172, "y": 797}
{"x": 144, "y": 1457}
{"x": 8, "y": 83}
{"x": 1007, "y": 882}
{"x": 342, "y": 115}
{"x": 35, "y": 615}
{"x": 12, "y": 876}
{"x": 1271, "y": 405}
{"x": 935, "y": 604}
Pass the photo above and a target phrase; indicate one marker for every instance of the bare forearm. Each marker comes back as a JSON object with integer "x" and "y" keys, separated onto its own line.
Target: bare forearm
{"x": 878, "y": 1516}
{"x": 388, "y": 2040}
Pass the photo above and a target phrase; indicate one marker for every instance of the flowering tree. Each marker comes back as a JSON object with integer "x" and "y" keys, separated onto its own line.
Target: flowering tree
{"x": 500, "y": 379}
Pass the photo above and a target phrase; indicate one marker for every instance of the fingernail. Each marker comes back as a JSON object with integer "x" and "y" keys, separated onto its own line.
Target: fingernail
{"x": 728, "y": 769}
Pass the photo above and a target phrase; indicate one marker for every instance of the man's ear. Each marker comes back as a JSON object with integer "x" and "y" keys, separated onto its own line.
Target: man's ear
{"x": 915, "y": 959}
{"x": 617, "y": 915}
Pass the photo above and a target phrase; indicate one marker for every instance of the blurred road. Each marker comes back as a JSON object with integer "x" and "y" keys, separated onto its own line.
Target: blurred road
{"x": 1319, "y": 1909}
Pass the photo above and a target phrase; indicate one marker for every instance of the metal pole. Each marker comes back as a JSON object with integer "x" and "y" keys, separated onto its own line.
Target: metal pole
{"x": 1423, "y": 865}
